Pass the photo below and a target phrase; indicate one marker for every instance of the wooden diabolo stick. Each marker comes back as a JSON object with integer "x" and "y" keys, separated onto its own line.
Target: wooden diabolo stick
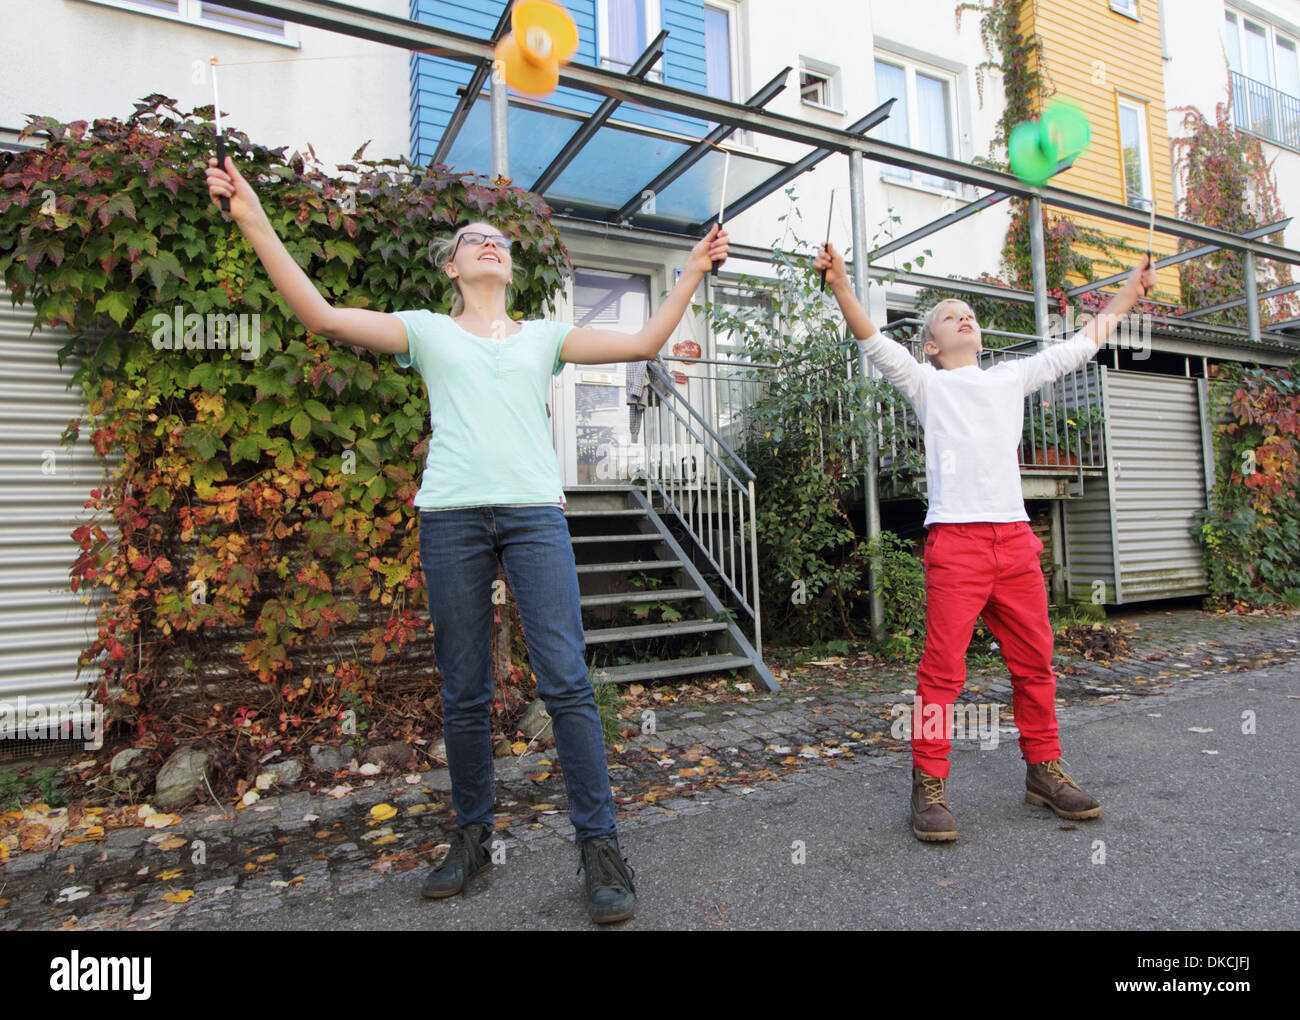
{"x": 221, "y": 139}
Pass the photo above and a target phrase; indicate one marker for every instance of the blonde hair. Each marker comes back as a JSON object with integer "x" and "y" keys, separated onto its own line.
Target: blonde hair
{"x": 440, "y": 251}
{"x": 927, "y": 327}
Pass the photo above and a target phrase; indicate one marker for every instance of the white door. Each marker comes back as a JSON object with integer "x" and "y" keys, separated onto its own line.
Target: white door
{"x": 590, "y": 411}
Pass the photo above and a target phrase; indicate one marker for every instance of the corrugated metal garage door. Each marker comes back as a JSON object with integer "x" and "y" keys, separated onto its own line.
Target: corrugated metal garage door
{"x": 43, "y": 489}
{"x": 1139, "y": 533}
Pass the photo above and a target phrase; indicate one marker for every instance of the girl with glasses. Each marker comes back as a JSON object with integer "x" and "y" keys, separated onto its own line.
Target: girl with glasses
{"x": 492, "y": 487}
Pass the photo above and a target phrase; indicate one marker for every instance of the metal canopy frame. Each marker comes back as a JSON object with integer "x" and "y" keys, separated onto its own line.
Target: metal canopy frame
{"x": 639, "y": 69}
{"x": 1173, "y": 260}
{"x": 751, "y": 115}
{"x": 697, "y": 151}
{"x": 969, "y": 209}
{"x": 1237, "y": 302}
{"x": 799, "y": 167}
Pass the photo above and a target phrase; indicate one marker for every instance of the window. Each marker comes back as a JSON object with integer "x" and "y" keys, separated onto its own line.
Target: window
{"x": 213, "y": 15}
{"x": 817, "y": 86}
{"x": 719, "y": 50}
{"x": 1134, "y": 153}
{"x": 1261, "y": 52}
{"x": 922, "y": 118}
{"x": 1265, "y": 76}
{"x": 1128, "y": 7}
{"x": 625, "y": 30}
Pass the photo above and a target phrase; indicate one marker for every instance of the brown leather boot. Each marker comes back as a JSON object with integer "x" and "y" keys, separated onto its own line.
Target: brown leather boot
{"x": 1047, "y": 784}
{"x": 931, "y": 819}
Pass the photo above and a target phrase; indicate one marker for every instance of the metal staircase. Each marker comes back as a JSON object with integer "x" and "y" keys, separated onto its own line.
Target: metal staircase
{"x": 649, "y": 595}
{"x": 668, "y": 559}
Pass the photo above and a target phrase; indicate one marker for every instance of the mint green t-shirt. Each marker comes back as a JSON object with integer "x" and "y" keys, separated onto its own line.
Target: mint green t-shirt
{"x": 490, "y": 439}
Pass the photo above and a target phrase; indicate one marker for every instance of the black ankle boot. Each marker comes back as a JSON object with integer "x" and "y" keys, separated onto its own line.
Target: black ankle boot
{"x": 611, "y": 896}
{"x": 467, "y": 857}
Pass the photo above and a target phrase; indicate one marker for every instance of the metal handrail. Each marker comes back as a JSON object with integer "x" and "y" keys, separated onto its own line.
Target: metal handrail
{"x": 690, "y": 495}
{"x": 671, "y": 387}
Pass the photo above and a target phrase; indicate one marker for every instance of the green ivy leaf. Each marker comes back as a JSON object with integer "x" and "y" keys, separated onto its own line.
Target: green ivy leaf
{"x": 116, "y": 304}
{"x": 300, "y": 426}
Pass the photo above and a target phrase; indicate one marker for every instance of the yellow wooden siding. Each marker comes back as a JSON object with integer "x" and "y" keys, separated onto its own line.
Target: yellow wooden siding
{"x": 1076, "y": 34}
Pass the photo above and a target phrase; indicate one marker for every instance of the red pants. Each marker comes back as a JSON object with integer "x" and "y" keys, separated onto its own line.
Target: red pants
{"x": 990, "y": 570}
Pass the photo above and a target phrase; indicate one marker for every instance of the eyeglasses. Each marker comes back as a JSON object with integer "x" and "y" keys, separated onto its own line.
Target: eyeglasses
{"x": 474, "y": 237}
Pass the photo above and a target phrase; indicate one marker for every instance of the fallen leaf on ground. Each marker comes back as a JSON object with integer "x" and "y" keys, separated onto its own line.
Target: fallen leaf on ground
{"x": 31, "y": 834}
{"x": 178, "y": 897}
{"x": 378, "y": 833}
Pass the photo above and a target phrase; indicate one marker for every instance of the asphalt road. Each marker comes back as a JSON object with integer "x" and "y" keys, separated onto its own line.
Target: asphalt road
{"x": 1198, "y": 833}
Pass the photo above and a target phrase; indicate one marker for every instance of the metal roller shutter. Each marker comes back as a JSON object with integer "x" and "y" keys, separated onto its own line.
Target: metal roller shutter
{"x": 1138, "y": 533}
{"x": 43, "y": 488}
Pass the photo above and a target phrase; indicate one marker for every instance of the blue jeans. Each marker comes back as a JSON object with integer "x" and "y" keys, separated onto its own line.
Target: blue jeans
{"x": 458, "y": 551}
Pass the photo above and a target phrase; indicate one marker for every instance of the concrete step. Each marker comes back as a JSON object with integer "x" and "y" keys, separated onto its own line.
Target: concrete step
{"x": 619, "y": 598}
{"x": 657, "y": 669}
{"x": 652, "y": 630}
{"x": 627, "y": 565}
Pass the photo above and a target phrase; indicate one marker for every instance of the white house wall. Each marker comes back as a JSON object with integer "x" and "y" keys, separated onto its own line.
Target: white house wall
{"x": 845, "y": 36}
{"x": 1196, "y": 74}
{"x": 79, "y": 60}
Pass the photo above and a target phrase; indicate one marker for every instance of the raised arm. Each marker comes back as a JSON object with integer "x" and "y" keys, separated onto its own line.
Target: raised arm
{"x": 895, "y": 361}
{"x": 1139, "y": 283}
{"x": 585, "y": 346}
{"x": 1070, "y": 355}
{"x": 379, "y": 331}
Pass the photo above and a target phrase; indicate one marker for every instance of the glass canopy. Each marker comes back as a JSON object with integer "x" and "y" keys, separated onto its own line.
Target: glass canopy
{"x": 611, "y": 176}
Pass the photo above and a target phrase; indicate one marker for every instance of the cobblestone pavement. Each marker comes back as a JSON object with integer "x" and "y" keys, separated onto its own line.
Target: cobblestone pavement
{"x": 239, "y": 866}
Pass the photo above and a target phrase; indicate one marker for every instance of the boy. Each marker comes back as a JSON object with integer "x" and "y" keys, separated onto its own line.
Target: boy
{"x": 981, "y": 556}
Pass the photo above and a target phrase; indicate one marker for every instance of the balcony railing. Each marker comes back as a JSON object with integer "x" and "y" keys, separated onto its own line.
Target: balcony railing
{"x": 1063, "y": 421}
{"x": 1266, "y": 112}
{"x": 1062, "y": 425}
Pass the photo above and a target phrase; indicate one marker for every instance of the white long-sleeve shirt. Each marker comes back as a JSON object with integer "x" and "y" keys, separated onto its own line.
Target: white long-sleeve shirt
{"x": 973, "y": 419}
